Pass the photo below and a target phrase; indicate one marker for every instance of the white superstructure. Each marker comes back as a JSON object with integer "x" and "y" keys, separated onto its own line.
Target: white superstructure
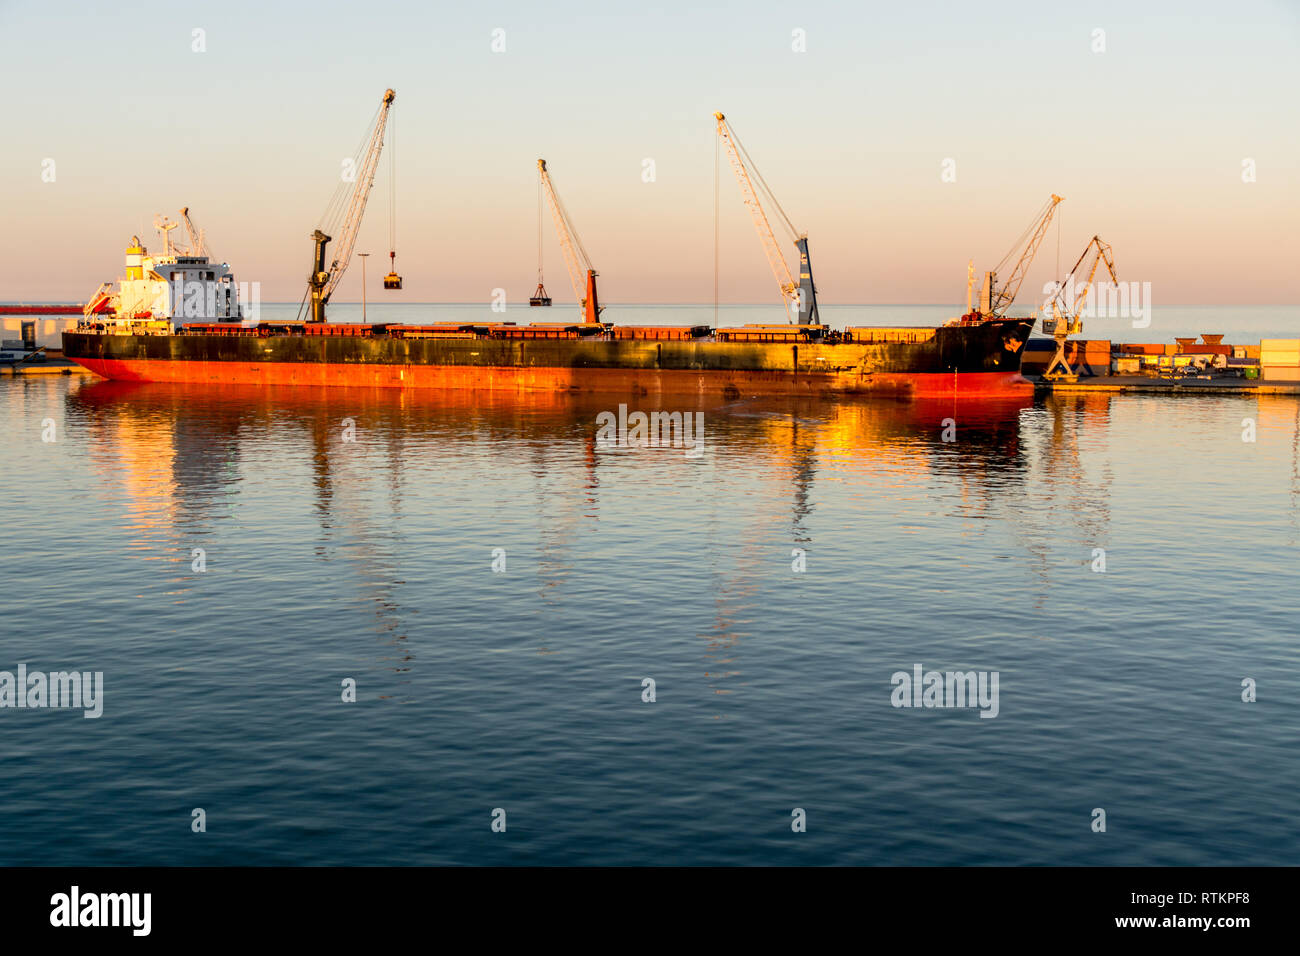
{"x": 166, "y": 290}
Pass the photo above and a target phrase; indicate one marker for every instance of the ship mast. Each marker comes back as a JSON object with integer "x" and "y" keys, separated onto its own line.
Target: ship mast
{"x": 165, "y": 227}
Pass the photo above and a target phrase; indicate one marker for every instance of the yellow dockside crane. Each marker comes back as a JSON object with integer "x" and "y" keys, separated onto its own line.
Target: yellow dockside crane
{"x": 1062, "y": 322}
{"x": 581, "y": 274}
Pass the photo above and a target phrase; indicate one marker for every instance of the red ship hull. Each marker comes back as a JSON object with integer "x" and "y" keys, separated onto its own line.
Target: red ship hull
{"x": 611, "y": 381}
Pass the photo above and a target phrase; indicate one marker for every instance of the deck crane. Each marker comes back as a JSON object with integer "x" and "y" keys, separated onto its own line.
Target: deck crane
{"x": 995, "y": 299}
{"x": 198, "y": 239}
{"x": 1063, "y": 323}
{"x": 584, "y": 288}
{"x": 799, "y": 298}
{"x": 323, "y": 280}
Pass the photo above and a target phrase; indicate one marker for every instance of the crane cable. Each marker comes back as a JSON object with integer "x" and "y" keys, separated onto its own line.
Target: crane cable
{"x": 771, "y": 196}
{"x": 392, "y": 189}
{"x": 717, "y": 165}
{"x": 342, "y": 197}
{"x": 1058, "y": 255}
{"x": 540, "y": 283}
{"x": 568, "y": 223}
{"x": 1021, "y": 242}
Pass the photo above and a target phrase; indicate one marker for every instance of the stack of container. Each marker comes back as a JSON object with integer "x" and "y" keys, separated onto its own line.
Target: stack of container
{"x": 1089, "y": 356}
{"x": 1037, "y": 353}
{"x": 1086, "y": 356}
{"x": 1279, "y": 360}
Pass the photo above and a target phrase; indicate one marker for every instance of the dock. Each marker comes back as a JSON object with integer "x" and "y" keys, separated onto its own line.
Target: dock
{"x": 52, "y": 363}
{"x": 1148, "y": 385}
{"x": 1186, "y": 367}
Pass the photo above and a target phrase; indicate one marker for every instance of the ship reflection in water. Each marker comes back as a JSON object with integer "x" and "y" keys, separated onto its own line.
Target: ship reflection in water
{"x": 385, "y": 476}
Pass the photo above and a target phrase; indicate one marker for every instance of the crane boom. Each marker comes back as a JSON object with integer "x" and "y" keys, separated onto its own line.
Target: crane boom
{"x": 802, "y": 295}
{"x": 324, "y": 280}
{"x": 1101, "y": 253}
{"x": 997, "y": 300}
{"x": 581, "y": 273}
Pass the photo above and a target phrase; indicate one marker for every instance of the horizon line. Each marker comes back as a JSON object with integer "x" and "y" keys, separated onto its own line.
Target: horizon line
{"x": 700, "y": 305}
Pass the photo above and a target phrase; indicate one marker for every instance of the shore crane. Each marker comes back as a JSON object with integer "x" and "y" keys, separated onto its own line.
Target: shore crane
{"x": 584, "y": 286}
{"x": 1063, "y": 322}
{"x": 323, "y": 280}
{"x": 995, "y": 299}
{"x": 799, "y": 298}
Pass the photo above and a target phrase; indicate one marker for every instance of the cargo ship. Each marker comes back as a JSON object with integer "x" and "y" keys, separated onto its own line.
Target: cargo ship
{"x": 178, "y": 319}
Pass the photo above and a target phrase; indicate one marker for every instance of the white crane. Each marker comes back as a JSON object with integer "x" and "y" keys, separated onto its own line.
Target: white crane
{"x": 323, "y": 280}
{"x": 198, "y": 239}
{"x": 799, "y": 297}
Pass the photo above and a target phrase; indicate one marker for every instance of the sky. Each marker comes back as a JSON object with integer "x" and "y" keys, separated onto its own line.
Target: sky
{"x": 1151, "y": 140}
